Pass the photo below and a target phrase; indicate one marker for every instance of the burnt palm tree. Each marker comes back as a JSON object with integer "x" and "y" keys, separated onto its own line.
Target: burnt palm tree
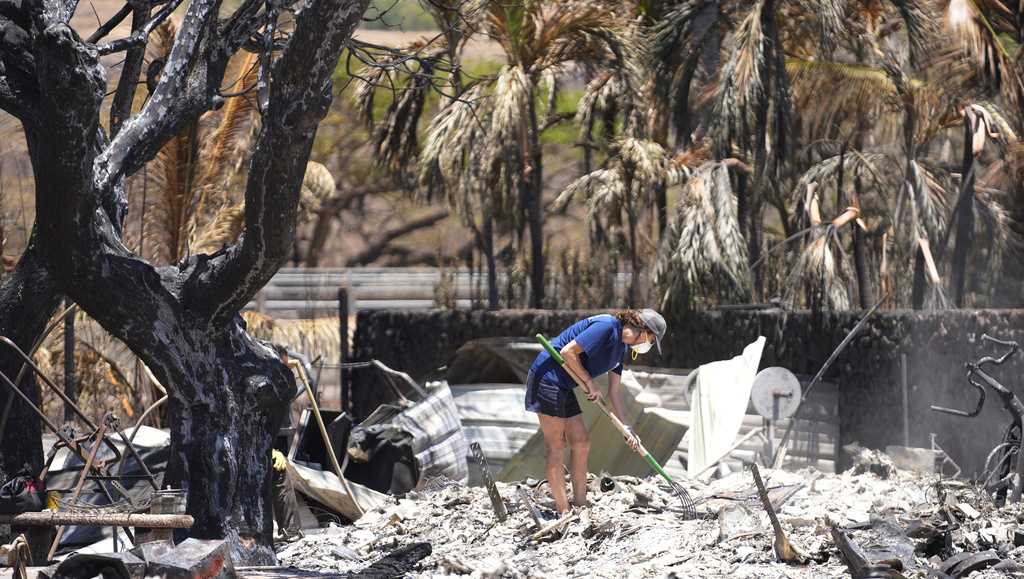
{"x": 483, "y": 150}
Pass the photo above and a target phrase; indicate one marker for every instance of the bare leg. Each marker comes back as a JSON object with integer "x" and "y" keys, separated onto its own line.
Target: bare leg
{"x": 554, "y": 437}
{"x": 579, "y": 446}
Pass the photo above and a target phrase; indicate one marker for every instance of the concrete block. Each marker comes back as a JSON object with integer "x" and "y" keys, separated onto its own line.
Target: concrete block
{"x": 194, "y": 559}
{"x": 921, "y": 460}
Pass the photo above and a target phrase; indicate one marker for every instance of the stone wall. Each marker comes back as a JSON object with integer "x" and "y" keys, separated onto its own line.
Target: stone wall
{"x": 868, "y": 371}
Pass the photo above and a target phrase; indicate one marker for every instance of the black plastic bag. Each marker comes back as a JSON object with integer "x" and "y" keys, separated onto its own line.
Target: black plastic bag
{"x": 23, "y": 493}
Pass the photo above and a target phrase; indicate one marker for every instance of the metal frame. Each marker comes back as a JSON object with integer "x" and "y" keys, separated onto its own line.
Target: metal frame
{"x": 97, "y": 470}
{"x": 1010, "y": 462}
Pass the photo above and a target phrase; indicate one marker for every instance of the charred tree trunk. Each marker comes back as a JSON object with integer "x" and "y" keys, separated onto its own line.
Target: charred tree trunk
{"x": 69, "y": 362}
{"x": 964, "y": 213}
{"x": 534, "y": 210}
{"x": 860, "y": 264}
{"x": 634, "y": 258}
{"x": 661, "y": 205}
{"x": 229, "y": 395}
{"x": 28, "y": 299}
{"x": 227, "y": 390}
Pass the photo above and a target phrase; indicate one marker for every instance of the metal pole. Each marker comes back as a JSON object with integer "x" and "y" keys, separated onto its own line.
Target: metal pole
{"x": 69, "y": 360}
{"x": 343, "y": 314}
{"x": 327, "y": 440}
{"x": 821, "y": 372}
{"x": 906, "y": 398}
{"x": 81, "y": 482}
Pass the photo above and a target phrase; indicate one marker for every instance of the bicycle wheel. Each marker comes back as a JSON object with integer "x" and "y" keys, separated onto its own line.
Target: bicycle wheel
{"x": 1000, "y": 463}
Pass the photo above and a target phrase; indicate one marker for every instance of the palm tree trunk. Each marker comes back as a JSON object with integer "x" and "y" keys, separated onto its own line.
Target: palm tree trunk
{"x": 681, "y": 113}
{"x": 534, "y": 210}
{"x": 760, "y": 175}
{"x": 917, "y": 292}
{"x": 964, "y": 215}
{"x": 634, "y": 262}
{"x": 661, "y": 205}
{"x": 754, "y": 248}
{"x": 860, "y": 265}
{"x": 865, "y": 296}
{"x": 492, "y": 270}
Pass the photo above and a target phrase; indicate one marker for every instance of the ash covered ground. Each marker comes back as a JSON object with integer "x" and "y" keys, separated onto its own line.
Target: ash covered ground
{"x": 636, "y": 529}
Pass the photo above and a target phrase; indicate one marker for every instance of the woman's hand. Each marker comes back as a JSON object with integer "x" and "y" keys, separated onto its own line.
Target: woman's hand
{"x": 594, "y": 394}
{"x": 632, "y": 439}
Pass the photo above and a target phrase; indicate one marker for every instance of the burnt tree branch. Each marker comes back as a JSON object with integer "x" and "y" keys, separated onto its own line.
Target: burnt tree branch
{"x": 171, "y": 104}
{"x": 124, "y": 95}
{"x": 108, "y": 26}
{"x": 181, "y": 320}
{"x": 140, "y": 34}
{"x": 299, "y": 95}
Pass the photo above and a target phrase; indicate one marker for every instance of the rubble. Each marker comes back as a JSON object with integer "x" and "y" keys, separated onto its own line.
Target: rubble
{"x": 874, "y": 461}
{"x": 907, "y": 524}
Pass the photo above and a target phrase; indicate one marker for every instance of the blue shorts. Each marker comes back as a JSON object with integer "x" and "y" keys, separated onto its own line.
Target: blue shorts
{"x": 550, "y": 399}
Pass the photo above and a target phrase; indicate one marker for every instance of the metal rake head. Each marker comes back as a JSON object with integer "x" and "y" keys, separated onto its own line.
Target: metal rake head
{"x": 689, "y": 506}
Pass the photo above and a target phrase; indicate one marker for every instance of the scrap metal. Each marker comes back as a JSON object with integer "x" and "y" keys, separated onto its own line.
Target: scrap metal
{"x": 78, "y": 486}
{"x": 500, "y": 512}
{"x": 524, "y": 498}
{"x": 1006, "y": 474}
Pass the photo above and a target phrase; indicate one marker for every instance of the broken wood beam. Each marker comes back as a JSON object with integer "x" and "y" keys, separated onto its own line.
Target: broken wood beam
{"x": 58, "y": 518}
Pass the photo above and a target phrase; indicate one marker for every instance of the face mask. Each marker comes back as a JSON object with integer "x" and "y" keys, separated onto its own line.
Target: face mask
{"x": 642, "y": 347}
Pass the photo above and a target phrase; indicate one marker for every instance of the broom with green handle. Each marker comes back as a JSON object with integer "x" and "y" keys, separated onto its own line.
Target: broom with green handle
{"x": 689, "y": 507}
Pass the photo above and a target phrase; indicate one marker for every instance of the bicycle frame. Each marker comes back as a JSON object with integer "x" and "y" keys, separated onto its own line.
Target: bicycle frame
{"x": 1011, "y": 403}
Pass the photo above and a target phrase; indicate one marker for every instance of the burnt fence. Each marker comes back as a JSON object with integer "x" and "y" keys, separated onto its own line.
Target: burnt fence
{"x": 868, "y": 374}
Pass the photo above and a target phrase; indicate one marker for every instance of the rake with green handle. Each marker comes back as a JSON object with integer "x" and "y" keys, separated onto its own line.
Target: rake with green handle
{"x": 689, "y": 507}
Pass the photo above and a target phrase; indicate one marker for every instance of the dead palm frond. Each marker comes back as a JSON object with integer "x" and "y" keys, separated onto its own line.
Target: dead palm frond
{"x": 825, "y": 91}
{"x": 877, "y": 167}
{"x": 820, "y": 274}
{"x": 636, "y": 162}
{"x": 228, "y": 222}
{"x": 984, "y": 31}
{"x": 223, "y": 152}
{"x": 407, "y": 82}
{"x": 599, "y": 189}
{"x": 744, "y": 71}
{"x": 225, "y": 228}
{"x": 704, "y": 254}
{"x": 195, "y": 171}
{"x": 919, "y": 21}
{"x": 316, "y": 338}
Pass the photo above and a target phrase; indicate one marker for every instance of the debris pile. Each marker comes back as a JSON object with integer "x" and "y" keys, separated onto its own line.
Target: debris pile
{"x": 633, "y": 525}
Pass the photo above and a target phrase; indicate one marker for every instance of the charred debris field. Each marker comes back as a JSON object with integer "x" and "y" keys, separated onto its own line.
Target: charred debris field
{"x": 871, "y": 521}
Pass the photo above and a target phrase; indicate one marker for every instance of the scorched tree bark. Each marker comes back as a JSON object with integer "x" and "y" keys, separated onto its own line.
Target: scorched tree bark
{"x": 227, "y": 390}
